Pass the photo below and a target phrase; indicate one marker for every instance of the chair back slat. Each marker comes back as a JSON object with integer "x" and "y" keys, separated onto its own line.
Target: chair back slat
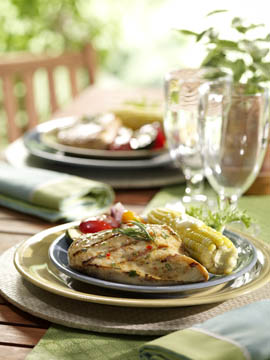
{"x": 90, "y": 60}
{"x": 25, "y": 66}
{"x": 52, "y": 92}
{"x": 73, "y": 80}
{"x": 10, "y": 104}
{"x": 30, "y": 103}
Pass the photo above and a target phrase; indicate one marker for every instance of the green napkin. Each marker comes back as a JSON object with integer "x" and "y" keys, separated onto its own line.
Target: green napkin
{"x": 51, "y": 195}
{"x": 238, "y": 334}
{"x": 60, "y": 343}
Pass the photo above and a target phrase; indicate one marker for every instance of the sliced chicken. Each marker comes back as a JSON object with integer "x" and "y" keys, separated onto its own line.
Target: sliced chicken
{"x": 153, "y": 257}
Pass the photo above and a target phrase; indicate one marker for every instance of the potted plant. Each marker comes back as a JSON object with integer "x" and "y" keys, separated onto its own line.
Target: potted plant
{"x": 248, "y": 60}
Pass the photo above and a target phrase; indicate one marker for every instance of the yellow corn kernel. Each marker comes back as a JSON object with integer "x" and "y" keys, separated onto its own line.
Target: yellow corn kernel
{"x": 208, "y": 246}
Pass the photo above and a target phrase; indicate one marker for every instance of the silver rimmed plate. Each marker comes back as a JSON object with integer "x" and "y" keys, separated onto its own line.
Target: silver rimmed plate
{"x": 247, "y": 257}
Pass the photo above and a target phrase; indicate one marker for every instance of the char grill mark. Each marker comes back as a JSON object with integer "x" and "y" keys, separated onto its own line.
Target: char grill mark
{"x": 127, "y": 246}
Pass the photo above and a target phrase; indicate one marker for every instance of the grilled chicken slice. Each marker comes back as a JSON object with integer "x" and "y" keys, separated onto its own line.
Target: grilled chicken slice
{"x": 154, "y": 260}
{"x": 97, "y": 133}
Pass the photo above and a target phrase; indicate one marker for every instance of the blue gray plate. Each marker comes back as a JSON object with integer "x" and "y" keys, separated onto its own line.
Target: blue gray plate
{"x": 247, "y": 257}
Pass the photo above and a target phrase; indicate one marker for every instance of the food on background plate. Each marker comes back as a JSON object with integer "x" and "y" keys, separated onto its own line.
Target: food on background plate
{"x": 135, "y": 114}
{"x": 94, "y": 132}
{"x": 121, "y": 246}
{"x": 107, "y": 132}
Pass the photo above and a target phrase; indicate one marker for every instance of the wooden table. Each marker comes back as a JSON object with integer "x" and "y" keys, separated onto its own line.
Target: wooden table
{"x": 19, "y": 331}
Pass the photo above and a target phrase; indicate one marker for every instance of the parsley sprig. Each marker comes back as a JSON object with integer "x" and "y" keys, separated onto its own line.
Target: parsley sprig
{"x": 217, "y": 219}
{"x": 138, "y": 231}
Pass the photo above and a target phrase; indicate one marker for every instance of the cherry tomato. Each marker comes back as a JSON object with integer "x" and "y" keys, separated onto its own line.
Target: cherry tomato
{"x": 92, "y": 226}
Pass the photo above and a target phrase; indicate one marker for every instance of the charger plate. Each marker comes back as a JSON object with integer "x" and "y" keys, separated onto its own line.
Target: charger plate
{"x": 32, "y": 261}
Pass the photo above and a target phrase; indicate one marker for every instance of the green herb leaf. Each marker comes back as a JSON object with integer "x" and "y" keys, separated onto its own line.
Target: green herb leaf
{"x": 132, "y": 273}
{"x": 219, "y": 218}
{"x": 263, "y": 67}
{"x": 216, "y": 12}
{"x": 138, "y": 232}
{"x": 187, "y": 32}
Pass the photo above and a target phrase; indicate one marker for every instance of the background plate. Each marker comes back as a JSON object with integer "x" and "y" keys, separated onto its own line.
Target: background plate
{"x": 18, "y": 156}
{"x": 247, "y": 257}
{"x": 32, "y": 261}
{"x": 37, "y": 148}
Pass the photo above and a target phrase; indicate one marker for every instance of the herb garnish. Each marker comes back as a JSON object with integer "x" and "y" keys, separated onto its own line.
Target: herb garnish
{"x": 219, "y": 218}
{"x": 138, "y": 232}
{"x": 132, "y": 273}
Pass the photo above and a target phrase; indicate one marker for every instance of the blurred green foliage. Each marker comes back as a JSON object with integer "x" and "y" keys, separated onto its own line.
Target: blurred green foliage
{"x": 247, "y": 57}
{"x": 56, "y": 25}
{"x": 133, "y": 40}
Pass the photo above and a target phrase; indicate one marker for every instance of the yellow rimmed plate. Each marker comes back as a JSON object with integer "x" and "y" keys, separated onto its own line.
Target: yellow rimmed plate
{"x": 32, "y": 261}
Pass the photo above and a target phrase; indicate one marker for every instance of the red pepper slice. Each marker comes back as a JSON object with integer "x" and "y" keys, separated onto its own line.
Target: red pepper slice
{"x": 92, "y": 226}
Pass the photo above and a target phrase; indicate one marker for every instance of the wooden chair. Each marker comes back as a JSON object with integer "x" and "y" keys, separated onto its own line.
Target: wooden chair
{"x": 25, "y": 66}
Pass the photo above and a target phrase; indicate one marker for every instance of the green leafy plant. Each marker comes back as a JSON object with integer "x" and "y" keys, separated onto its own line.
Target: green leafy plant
{"x": 218, "y": 219}
{"x": 247, "y": 58}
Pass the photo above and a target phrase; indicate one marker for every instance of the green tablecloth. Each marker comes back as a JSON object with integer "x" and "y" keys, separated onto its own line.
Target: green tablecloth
{"x": 64, "y": 343}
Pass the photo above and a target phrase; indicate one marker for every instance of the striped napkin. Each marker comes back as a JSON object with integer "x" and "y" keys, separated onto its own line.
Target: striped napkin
{"x": 51, "y": 195}
{"x": 240, "y": 334}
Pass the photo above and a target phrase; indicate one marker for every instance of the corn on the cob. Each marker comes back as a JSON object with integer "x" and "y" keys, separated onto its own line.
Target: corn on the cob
{"x": 208, "y": 246}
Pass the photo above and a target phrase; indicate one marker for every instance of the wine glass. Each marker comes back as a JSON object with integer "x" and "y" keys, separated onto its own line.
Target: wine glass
{"x": 181, "y": 125}
{"x": 234, "y": 129}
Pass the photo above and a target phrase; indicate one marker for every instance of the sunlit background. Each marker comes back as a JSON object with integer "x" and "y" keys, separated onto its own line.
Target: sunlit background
{"x": 136, "y": 40}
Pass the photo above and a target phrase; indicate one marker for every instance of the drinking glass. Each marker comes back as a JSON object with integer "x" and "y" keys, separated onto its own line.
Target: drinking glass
{"x": 234, "y": 131}
{"x": 181, "y": 124}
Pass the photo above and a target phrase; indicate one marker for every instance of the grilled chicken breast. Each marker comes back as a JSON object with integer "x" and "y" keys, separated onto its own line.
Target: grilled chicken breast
{"x": 115, "y": 256}
{"x": 97, "y": 133}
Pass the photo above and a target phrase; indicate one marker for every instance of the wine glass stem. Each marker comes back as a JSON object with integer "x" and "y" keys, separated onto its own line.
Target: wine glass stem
{"x": 194, "y": 185}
